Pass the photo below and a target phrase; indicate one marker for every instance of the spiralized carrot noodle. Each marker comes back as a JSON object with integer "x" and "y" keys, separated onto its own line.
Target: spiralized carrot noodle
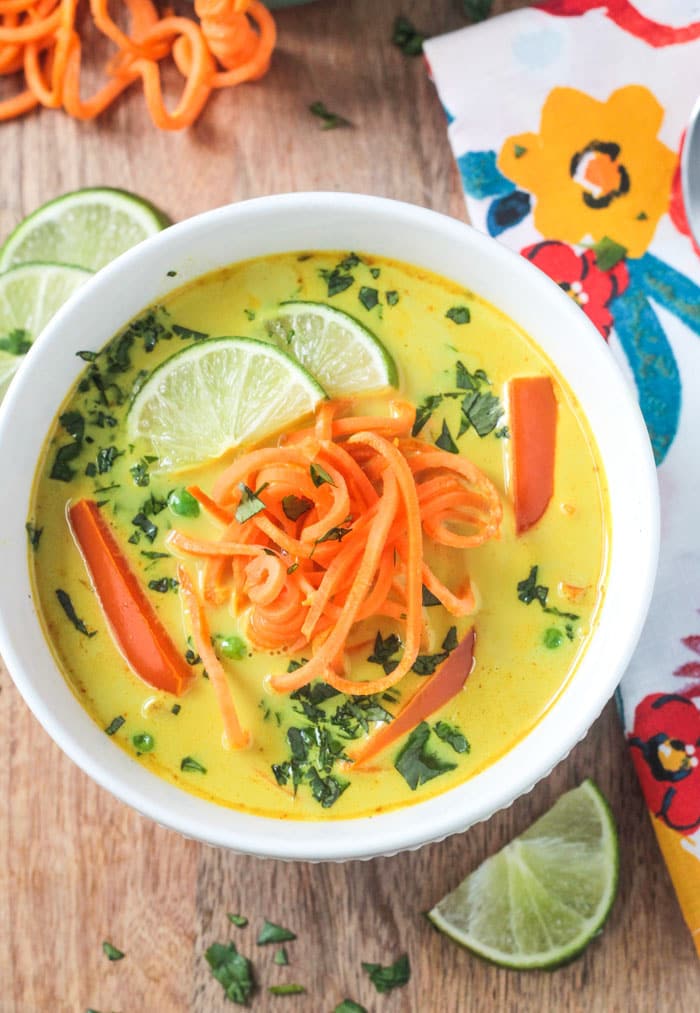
{"x": 231, "y": 42}
{"x": 345, "y": 514}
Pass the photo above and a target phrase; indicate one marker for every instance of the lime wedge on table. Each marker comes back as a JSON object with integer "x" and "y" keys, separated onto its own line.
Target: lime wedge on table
{"x": 29, "y": 296}
{"x": 343, "y": 355}
{"x": 218, "y": 394}
{"x": 539, "y": 901}
{"x": 86, "y": 227}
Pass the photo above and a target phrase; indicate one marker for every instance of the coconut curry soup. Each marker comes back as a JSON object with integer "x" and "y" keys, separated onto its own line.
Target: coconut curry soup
{"x": 319, "y": 536}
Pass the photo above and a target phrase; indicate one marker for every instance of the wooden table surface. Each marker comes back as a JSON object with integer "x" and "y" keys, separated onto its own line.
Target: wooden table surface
{"x": 78, "y": 867}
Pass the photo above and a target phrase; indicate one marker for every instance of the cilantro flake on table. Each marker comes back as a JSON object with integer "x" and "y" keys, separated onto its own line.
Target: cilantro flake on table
{"x": 394, "y": 975}
{"x": 406, "y": 37}
{"x": 111, "y": 952}
{"x": 273, "y": 933}
{"x": 232, "y": 970}
{"x": 329, "y": 120}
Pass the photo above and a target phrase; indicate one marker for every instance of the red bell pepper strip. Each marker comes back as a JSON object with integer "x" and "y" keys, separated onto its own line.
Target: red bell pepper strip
{"x": 533, "y": 429}
{"x": 138, "y": 632}
{"x": 433, "y": 694}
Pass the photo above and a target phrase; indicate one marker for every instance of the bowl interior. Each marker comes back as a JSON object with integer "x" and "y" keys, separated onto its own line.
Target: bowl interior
{"x": 399, "y": 231}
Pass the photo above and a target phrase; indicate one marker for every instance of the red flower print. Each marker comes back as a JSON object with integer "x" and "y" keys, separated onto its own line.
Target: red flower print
{"x": 676, "y": 206}
{"x": 666, "y": 752}
{"x": 581, "y": 278}
{"x": 628, "y": 17}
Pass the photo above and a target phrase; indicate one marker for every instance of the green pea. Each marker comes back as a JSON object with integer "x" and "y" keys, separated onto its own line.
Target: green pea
{"x": 553, "y": 638}
{"x": 183, "y": 503}
{"x": 233, "y": 647}
{"x": 143, "y": 742}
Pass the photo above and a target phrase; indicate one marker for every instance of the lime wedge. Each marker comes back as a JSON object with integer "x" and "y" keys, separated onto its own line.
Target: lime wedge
{"x": 343, "y": 355}
{"x": 29, "y": 297}
{"x": 539, "y": 901}
{"x": 218, "y": 394}
{"x": 87, "y": 228}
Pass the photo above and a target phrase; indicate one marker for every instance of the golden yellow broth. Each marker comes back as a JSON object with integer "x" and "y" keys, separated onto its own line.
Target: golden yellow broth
{"x": 516, "y": 677}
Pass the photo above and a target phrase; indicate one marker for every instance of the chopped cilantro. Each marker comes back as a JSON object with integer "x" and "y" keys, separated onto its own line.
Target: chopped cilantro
{"x": 450, "y": 641}
{"x": 336, "y": 281}
{"x": 249, "y": 506}
{"x": 74, "y": 425}
{"x": 407, "y": 38}
{"x": 375, "y": 272}
{"x": 144, "y": 524}
{"x": 458, "y": 314}
{"x": 424, "y": 411}
{"x": 67, "y": 606}
{"x": 334, "y": 534}
{"x": 349, "y": 1006}
{"x": 480, "y": 409}
{"x": 319, "y": 475}
{"x": 519, "y": 150}
{"x": 61, "y": 469}
{"x": 164, "y": 584}
{"x": 33, "y": 534}
{"x": 415, "y": 764}
{"x": 286, "y": 989}
{"x": 296, "y": 506}
{"x": 106, "y": 457}
{"x": 452, "y": 736}
{"x": 155, "y": 555}
{"x": 392, "y": 297}
{"x": 176, "y": 708}
{"x": 139, "y": 473}
{"x": 188, "y": 763}
{"x": 384, "y": 648}
{"x": 428, "y": 598}
{"x": 445, "y": 441}
{"x": 250, "y": 314}
{"x": 188, "y": 333}
{"x": 529, "y": 590}
{"x": 87, "y": 356}
{"x": 272, "y": 933}
{"x": 393, "y": 976}
{"x": 329, "y": 120}
{"x": 369, "y": 297}
{"x": 281, "y": 957}
{"x": 111, "y": 952}
{"x": 240, "y": 921}
{"x": 232, "y": 970}
{"x": 115, "y": 724}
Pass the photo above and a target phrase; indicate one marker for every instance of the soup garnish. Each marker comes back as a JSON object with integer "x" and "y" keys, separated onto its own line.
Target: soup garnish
{"x": 319, "y": 605}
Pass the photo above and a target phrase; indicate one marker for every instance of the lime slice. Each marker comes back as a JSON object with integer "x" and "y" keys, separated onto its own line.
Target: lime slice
{"x": 539, "y": 901}
{"x": 218, "y": 394}
{"x": 337, "y": 349}
{"x": 29, "y": 296}
{"x": 87, "y": 228}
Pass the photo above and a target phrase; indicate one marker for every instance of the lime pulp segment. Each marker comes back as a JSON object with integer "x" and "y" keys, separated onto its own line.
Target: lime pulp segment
{"x": 539, "y": 901}
{"x": 343, "y": 355}
{"x": 87, "y": 228}
{"x": 218, "y": 394}
{"x": 29, "y": 296}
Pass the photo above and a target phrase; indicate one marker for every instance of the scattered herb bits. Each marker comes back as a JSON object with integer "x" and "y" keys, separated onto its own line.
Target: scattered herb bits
{"x": 240, "y": 921}
{"x": 111, "y": 952}
{"x": 232, "y": 970}
{"x": 349, "y": 1006}
{"x": 459, "y": 314}
{"x": 115, "y": 724}
{"x": 286, "y": 989}
{"x": 189, "y": 765}
{"x": 407, "y": 38}
{"x": 395, "y": 975}
{"x": 281, "y": 957}
{"x": 329, "y": 120}
{"x": 271, "y": 933}
{"x": 416, "y": 763}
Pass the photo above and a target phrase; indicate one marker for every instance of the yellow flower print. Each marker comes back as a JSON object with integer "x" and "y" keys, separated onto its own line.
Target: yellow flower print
{"x": 596, "y": 168}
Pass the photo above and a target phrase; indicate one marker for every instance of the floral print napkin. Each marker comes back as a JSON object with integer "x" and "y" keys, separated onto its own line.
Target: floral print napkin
{"x": 567, "y": 121}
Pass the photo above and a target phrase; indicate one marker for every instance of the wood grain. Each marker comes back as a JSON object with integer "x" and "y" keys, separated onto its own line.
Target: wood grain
{"x": 77, "y": 867}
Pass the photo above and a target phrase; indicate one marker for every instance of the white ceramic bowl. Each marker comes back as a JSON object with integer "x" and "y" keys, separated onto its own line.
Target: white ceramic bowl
{"x": 339, "y": 222}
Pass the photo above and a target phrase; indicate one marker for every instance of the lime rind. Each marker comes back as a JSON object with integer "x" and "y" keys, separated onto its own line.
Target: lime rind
{"x": 340, "y": 351}
{"x": 539, "y": 902}
{"x": 87, "y": 228}
{"x": 216, "y": 395}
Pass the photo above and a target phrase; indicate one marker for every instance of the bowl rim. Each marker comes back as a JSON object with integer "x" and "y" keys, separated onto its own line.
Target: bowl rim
{"x": 430, "y": 820}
